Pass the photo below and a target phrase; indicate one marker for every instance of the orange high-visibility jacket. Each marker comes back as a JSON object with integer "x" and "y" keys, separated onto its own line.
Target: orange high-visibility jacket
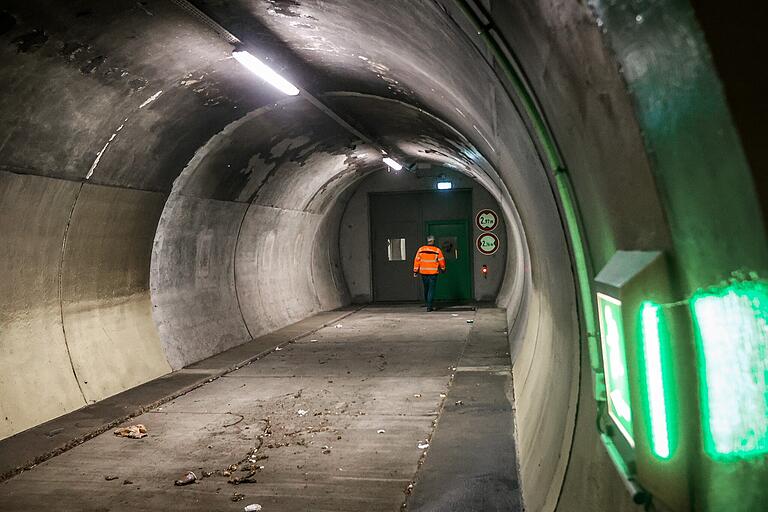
{"x": 428, "y": 260}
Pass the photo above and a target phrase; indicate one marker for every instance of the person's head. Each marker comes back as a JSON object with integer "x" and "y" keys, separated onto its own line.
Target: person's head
{"x": 430, "y": 240}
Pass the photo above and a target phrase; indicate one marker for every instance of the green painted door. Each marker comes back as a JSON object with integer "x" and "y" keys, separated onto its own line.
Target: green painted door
{"x": 452, "y": 236}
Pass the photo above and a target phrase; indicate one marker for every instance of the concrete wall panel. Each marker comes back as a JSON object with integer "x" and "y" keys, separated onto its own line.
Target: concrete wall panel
{"x": 193, "y": 280}
{"x": 327, "y": 275}
{"x": 105, "y": 290}
{"x": 274, "y": 264}
{"x": 36, "y": 378}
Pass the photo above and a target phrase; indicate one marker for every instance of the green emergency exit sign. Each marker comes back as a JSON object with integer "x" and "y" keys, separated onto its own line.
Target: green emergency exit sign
{"x": 615, "y": 364}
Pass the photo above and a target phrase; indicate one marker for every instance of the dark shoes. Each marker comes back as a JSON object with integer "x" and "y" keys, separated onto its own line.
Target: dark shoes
{"x": 429, "y": 309}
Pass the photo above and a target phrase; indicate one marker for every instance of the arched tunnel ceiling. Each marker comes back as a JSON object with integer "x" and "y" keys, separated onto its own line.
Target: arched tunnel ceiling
{"x": 121, "y": 77}
{"x": 317, "y": 157}
{"x": 149, "y": 75}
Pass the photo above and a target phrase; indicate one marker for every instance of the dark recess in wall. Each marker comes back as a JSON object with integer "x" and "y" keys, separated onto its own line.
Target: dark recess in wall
{"x": 738, "y": 41}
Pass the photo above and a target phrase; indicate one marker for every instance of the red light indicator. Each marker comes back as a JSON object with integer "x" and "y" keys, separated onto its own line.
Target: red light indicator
{"x": 484, "y": 270}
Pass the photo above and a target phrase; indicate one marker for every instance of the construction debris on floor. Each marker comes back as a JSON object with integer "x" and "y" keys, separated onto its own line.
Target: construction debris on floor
{"x": 134, "y": 431}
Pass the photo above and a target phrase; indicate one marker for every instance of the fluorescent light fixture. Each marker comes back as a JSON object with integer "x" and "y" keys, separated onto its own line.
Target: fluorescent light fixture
{"x": 654, "y": 373}
{"x": 264, "y": 72}
{"x": 394, "y": 165}
{"x": 444, "y": 185}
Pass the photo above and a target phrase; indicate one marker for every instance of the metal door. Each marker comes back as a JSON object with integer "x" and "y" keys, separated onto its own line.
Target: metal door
{"x": 452, "y": 237}
{"x": 399, "y": 224}
{"x": 395, "y": 237}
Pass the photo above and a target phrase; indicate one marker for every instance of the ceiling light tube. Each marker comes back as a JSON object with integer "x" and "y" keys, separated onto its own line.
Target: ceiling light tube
{"x": 264, "y": 72}
{"x": 394, "y": 165}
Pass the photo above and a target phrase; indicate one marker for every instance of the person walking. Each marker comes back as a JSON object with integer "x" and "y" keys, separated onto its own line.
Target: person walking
{"x": 428, "y": 263}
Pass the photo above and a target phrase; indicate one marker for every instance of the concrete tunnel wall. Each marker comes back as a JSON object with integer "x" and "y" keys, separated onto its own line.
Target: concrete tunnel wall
{"x": 153, "y": 196}
{"x": 232, "y": 261}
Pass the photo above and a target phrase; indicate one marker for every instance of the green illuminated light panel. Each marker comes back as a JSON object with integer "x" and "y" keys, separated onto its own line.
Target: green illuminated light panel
{"x": 615, "y": 364}
{"x": 731, "y": 327}
{"x": 654, "y": 360}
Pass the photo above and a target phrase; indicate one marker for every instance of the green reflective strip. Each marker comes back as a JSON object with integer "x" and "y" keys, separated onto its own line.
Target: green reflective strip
{"x": 731, "y": 330}
{"x": 579, "y": 256}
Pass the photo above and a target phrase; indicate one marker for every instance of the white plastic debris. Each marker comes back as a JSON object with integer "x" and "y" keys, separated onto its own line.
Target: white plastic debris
{"x": 417, "y": 395}
{"x": 187, "y": 479}
{"x": 313, "y": 341}
{"x": 302, "y": 412}
{"x": 278, "y": 348}
{"x": 454, "y": 314}
{"x": 254, "y": 507}
{"x": 339, "y": 326}
{"x": 423, "y": 445}
{"x": 470, "y": 321}
{"x": 442, "y": 395}
{"x": 381, "y": 431}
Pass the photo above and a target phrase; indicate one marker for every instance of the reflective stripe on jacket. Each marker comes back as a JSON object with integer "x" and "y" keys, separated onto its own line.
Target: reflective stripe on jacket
{"x": 429, "y": 260}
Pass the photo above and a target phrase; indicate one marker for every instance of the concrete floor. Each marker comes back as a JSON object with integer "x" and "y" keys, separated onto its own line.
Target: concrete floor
{"x": 382, "y": 368}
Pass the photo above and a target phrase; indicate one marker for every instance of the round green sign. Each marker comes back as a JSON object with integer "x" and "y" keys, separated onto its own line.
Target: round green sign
{"x": 486, "y": 220}
{"x": 487, "y": 244}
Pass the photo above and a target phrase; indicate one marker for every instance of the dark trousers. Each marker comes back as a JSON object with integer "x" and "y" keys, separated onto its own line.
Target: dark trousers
{"x": 429, "y": 282}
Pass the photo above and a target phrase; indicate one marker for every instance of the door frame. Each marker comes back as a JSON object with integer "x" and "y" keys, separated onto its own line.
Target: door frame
{"x": 372, "y": 234}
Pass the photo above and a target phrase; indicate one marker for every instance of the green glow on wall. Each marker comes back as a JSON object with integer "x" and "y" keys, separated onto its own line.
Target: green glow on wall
{"x": 655, "y": 374}
{"x": 615, "y": 364}
{"x": 731, "y": 328}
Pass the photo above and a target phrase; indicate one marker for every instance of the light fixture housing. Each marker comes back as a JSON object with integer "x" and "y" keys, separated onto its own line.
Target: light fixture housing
{"x": 257, "y": 67}
{"x": 444, "y": 185}
{"x": 392, "y": 164}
